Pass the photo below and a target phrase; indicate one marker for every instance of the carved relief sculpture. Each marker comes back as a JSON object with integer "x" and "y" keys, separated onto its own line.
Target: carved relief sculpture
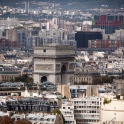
{"x": 71, "y": 66}
{"x": 57, "y": 67}
{"x": 71, "y": 79}
{"x": 45, "y": 67}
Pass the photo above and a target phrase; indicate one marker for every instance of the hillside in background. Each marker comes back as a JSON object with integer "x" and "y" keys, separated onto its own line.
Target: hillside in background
{"x": 77, "y": 3}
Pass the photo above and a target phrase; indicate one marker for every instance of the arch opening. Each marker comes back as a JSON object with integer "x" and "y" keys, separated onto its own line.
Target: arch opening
{"x": 63, "y": 68}
{"x": 63, "y": 74}
{"x": 43, "y": 79}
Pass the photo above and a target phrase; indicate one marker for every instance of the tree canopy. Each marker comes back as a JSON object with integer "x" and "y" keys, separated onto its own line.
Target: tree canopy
{"x": 6, "y": 120}
{"x": 22, "y": 122}
{"x": 56, "y": 111}
{"x": 24, "y": 78}
{"x": 9, "y": 120}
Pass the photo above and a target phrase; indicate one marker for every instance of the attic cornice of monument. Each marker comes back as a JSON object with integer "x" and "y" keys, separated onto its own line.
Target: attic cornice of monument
{"x": 57, "y": 73}
{"x": 55, "y": 47}
{"x": 54, "y": 56}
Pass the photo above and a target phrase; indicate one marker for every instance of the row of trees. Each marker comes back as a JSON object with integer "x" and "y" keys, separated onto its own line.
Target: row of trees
{"x": 106, "y": 101}
{"x": 23, "y": 78}
{"x": 8, "y": 120}
{"x": 102, "y": 79}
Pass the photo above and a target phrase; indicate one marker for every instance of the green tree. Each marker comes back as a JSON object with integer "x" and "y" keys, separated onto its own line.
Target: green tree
{"x": 36, "y": 28}
{"x": 107, "y": 79}
{"x": 22, "y": 122}
{"x": 24, "y": 78}
{"x": 106, "y": 101}
{"x": 56, "y": 111}
{"x": 97, "y": 80}
{"x": 84, "y": 83}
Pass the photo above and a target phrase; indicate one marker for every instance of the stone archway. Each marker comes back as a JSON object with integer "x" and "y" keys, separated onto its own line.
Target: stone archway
{"x": 63, "y": 74}
{"x": 63, "y": 69}
{"x": 43, "y": 79}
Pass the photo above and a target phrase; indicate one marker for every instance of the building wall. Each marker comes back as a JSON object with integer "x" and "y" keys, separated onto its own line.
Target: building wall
{"x": 83, "y": 78}
{"x": 64, "y": 90}
{"x": 108, "y": 22}
{"x": 83, "y": 37}
{"x": 36, "y": 78}
{"x": 11, "y": 35}
{"x": 59, "y": 119}
{"x": 1, "y": 33}
{"x": 105, "y": 43}
{"x": 7, "y": 77}
{"x": 113, "y": 111}
{"x": 39, "y": 66}
{"x": 87, "y": 110}
{"x": 67, "y": 110}
{"x": 118, "y": 85}
{"x": 6, "y": 43}
{"x": 54, "y": 62}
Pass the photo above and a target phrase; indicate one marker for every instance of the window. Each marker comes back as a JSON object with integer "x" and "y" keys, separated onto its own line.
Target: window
{"x": 44, "y": 50}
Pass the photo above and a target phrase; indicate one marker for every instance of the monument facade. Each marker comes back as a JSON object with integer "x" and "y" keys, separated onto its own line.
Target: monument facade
{"x": 54, "y": 63}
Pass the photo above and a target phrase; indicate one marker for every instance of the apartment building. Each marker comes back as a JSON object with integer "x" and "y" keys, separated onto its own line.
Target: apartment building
{"x": 67, "y": 110}
{"x": 45, "y": 119}
{"x": 8, "y": 73}
{"x": 29, "y": 104}
{"x": 80, "y": 91}
{"x": 113, "y": 112}
{"x": 79, "y": 78}
{"x": 40, "y": 118}
{"x": 87, "y": 110}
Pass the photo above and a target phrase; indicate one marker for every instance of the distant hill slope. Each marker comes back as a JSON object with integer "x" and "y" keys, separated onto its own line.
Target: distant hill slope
{"x": 112, "y": 3}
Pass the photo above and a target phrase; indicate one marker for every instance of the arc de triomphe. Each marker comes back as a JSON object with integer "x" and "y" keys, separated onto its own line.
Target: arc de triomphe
{"x": 54, "y": 63}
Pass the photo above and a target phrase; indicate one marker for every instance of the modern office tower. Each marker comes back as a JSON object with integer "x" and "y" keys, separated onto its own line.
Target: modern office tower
{"x": 27, "y": 7}
{"x": 21, "y": 37}
{"x": 108, "y": 22}
{"x": 87, "y": 110}
{"x": 54, "y": 63}
{"x": 82, "y": 37}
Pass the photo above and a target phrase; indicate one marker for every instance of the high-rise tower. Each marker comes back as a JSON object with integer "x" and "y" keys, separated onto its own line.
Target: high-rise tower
{"x": 27, "y": 7}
